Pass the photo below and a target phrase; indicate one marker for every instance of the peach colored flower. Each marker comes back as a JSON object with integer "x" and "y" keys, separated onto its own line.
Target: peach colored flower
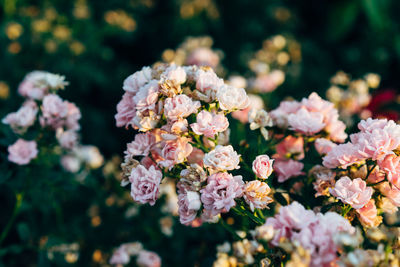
{"x": 391, "y": 166}
{"x": 262, "y": 166}
{"x": 368, "y": 215}
{"x": 22, "y": 152}
{"x": 391, "y": 192}
{"x": 222, "y": 158}
{"x": 256, "y": 195}
{"x": 286, "y": 169}
{"x": 145, "y": 184}
{"x": 175, "y": 151}
{"x": 180, "y": 107}
{"x": 231, "y": 98}
{"x": 353, "y": 192}
{"x": 290, "y": 147}
{"x": 209, "y": 124}
{"x": 220, "y": 193}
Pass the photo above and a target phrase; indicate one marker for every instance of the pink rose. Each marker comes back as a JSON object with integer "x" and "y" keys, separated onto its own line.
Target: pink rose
{"x": 353, "y": 192}
{"x": 126, "y": 110}
{"x": 134, "y": 82}
{"x": 256, "y": 195}
{"x": 207, "y": 84}
{"x": 175, "y": 151}
{"x": 269, "y": 82}
{"x": 209, "y": 124}
{"x": 391, "y": 192}
{"x": 290, "y": 147}
{"x": 220, "y": 193}
{"x": 324, "y": 146}
{"x": 306, "y": 122}
{"x": 189, "y": 203}
{"x": 280, "y": 114}
{"x": 147, "y": 96}
{"x": 73, "y": 116}
{"x": 180, "y": 107}
{"x": 148, "y": 259}
{"x": 342, "y": 156}
{"x": 22, "y": 152}
{"x": 203, "y": 56}
{"x": 368, "y": 214}
{"x": 67, "y": 139}
{"x": 142, "y": 145}
{"x": 256, "y": 103}
{"x": 287, "y": 169}
{"x": 196, "y": 157}
{"x": 262, "y": 166}
{"x": 175, "y": 73}
{"x": 222, "y": 158}
{"x": 391, "y": 166}
{"x": 231, "y": 98}
{"x": 24, "y": 118}
{"x": 145, "y": 184}
{"x": 54, "y": 111}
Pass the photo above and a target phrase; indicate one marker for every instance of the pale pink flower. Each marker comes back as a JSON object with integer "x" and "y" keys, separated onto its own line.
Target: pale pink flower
{"x": 291, "y": 218}
{"x": 24, "y": 118}
{"x": 176, "y": 127}
{"x": 148, "y": 259}
{"x": 256, "y": 195}
{"x": 287, "y": 169}
{"x": 391, "y": 166}
{"x": 207, "y": 84}
{"x": 22, "y": 152}
{"x": 67, "y": 139}
{"x": 175, "y": 73}
{"x": 180, "y": 107}
{"x": 203, "y": 56}
{"x": 269, "y": 82}
{"x": 222, "y": 158}
{"x": 189, "y": 203}
{"x": 231, "y": 98}
{"x": 147, "y": 162}
{"x": 353, "y": 192}
{"x": 306, "y": 122}
{"x": 147, "y": 96}
{"x": 142, "y": 145}
{"x": 54, "y": 111}
{"x": 120, "y": 256}
{"x": 145, "y": 184}
{"x": 71, "y": 163}
{"x": 368, "y": 214}
{"x": 262, "y": 166}
{"x": 370, "y": 124}
{"x": 281, "y": 113}
{"x": 209, "y": 124}
{"x": 220, "y": 193}
{"x": 391, "y": 192}
{"x": 73, "y": 116}
{"x": 336, "y": 130}
{"x": 126, "y": 110}
{"x": 256, "y": 103}
{"x": 135, "y": 81}
{"x": 37, "y": 84}
{"x": 324, "y": 146}
{"x": 175, "y": 151}
{"x": 342, "y": 156}
{"x": 290, "y": 147}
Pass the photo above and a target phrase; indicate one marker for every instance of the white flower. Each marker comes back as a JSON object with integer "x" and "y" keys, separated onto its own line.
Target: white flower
{"x": 222, "y": 158}
{"x": 231, "y": 98}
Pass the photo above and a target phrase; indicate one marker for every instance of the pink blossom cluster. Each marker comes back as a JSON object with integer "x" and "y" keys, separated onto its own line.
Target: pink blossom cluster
{"x": 42, "y": 104}
{"x": 313, "y": 231}
{"x": 144, "y": 258}
{"x": 181, "y": 112}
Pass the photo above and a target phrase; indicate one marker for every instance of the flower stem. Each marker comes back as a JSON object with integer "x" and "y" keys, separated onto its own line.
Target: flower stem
{"x": 7, "y": 228}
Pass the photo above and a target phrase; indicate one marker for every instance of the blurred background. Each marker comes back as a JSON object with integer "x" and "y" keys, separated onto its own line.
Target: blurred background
{"x": 97, "y": 44}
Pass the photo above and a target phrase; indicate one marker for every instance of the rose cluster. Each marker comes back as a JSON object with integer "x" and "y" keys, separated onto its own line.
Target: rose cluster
{"x": 182, "y": 114}
{"x": 144, "y": 258}
{"x": 42, "y": 109}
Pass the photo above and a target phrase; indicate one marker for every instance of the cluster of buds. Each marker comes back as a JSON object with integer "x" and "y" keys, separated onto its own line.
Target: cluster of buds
{"x": 144, "y": 258}
{"x": 43, "y": 111}
{"x": 181, "y": 112}
{"x": 351, "y": 97}
{"x": 271, "y": 63}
